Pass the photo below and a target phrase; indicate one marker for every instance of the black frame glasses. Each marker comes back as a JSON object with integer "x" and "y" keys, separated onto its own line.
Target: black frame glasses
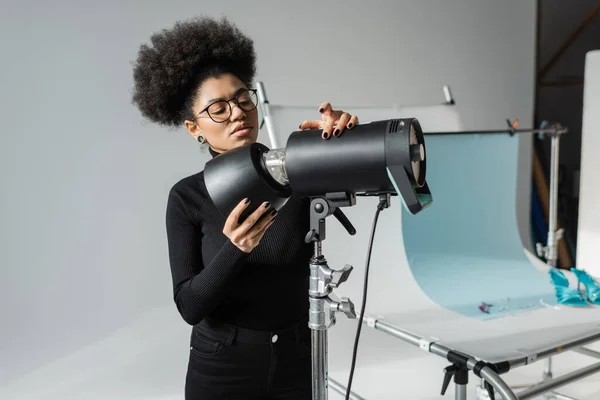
{"x": 243, "y": 105}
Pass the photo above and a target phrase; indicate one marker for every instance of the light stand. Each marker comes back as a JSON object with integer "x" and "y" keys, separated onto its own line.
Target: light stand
{"x": 322, "y": 281}
{"x": 550, "y": 252}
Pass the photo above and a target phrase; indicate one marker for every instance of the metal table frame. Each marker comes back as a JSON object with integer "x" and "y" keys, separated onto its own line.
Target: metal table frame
{"x": 492, "y": 384}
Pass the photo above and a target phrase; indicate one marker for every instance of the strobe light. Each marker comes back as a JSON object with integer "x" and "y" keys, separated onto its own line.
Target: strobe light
{"x": 387, "y": 156}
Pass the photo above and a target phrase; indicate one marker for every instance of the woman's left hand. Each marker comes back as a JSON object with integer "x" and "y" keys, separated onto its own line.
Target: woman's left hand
{"x": 333, "y": 122}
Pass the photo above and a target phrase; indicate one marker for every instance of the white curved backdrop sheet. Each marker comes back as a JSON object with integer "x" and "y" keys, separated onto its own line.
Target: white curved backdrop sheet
{"x": 588, "y": 229}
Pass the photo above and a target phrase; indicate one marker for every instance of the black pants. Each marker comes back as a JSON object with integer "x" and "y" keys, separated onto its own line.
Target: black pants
{"x": 229, "y": 363}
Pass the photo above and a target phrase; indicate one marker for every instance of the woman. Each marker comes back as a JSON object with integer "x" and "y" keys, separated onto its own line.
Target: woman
{"x": 243, "y": 287}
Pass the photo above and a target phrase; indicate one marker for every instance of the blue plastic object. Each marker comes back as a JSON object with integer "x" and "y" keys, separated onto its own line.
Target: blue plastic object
{"x": 564, "y": 294}
{"x": 592, "y": 289}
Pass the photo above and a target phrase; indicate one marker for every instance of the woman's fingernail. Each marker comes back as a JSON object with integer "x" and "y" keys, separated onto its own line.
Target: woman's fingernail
{"x": 350, "y": 125}
{"x": 321, "y": 110}
{"x": 267, "y": 204}
{"x": 325, "y": 135}
{"x": 247, "y": 201}
{"x": 274, "y": 212}
{"x": 336, "y": 133}
{"x": 300, "y": 126}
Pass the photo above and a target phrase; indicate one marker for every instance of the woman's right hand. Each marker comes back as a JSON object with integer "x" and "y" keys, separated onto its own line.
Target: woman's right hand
{"x": 247, "y": 235}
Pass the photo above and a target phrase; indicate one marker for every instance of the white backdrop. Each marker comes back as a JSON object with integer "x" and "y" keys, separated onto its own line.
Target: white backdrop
{"x": 588, "y": 227}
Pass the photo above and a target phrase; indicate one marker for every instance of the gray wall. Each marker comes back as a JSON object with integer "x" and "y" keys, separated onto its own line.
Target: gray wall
{"x": 84, "y": 179}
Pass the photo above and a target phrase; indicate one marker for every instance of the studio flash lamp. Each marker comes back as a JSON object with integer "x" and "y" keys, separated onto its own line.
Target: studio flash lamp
{"x": 380, "y": 158}
{"x": 374, "y": 158}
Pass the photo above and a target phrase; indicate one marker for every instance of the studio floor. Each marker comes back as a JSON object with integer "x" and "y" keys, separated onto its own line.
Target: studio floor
{"x": 143, "y": 362}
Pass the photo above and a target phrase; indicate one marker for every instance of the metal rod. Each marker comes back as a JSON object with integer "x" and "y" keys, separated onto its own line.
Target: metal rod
{"x": 587, "y": 352}
{"x": 554, "y": 131}
{"x": 319, "y": 365}
{"x": 336, "y": 386}
{"x": 522, "y": 386}
{"x": 264, "y": 107}
{"x": 547, "y": 374}
{"x": 460, "y": 392}
{"x": 543, "y": 194}
{"x": 392, "y": 330}
{"x": 544, "y": 387}
{"x": 551, "y": 258}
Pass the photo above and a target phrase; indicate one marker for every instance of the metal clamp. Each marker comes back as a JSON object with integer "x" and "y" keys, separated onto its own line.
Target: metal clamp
{"x": 425, "y": 345}
{"x": 370, "y": 321}
{"x": 531, "y": 356}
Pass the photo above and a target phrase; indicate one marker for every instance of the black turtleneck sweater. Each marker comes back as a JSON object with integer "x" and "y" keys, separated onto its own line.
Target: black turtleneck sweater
{"x": 265, "y": 289}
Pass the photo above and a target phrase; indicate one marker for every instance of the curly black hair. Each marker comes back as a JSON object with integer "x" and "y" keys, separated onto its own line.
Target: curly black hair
{"x": 166, "y": 76}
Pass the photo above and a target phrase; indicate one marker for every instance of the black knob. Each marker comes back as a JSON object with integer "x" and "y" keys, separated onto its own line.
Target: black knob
{"x": 448, "y": 373}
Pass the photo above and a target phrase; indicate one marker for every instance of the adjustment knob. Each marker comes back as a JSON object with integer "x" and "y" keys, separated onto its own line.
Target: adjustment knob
{"x": 340, "y": 276}
{"x": 347, "y": 307}
{"x": 448, "y": 374}
{"x": 311, "y": 236}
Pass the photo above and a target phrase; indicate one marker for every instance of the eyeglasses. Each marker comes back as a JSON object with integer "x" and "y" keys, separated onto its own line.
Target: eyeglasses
{"x": 221, "y": 110}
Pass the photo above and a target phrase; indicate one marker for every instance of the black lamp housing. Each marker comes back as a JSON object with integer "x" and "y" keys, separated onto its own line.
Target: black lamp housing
{"x": 373, "y": 158}
{"x": 241, "y": 173}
